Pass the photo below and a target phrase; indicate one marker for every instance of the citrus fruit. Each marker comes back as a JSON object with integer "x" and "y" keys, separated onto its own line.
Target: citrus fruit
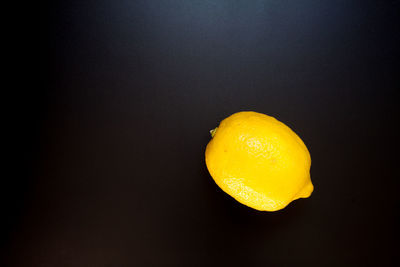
{"x": 259, "y": 161}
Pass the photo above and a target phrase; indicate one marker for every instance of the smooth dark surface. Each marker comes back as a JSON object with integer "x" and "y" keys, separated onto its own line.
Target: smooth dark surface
{"x": 129, "y": 90}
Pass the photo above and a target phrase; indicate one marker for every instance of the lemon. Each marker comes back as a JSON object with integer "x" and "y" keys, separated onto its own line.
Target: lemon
{"x": 259, "y": 161}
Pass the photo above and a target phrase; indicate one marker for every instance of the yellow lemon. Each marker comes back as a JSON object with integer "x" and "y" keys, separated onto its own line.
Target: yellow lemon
{"x": 259, "y": 161}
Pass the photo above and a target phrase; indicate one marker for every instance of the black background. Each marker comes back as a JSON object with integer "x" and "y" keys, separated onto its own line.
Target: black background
{"x": 115, "y": 139}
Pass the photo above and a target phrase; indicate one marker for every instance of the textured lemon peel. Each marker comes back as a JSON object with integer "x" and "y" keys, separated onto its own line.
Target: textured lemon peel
{"x": 244, "y": 192}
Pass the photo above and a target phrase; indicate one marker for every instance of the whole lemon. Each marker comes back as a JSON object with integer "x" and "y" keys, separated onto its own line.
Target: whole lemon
{"x": 259, "y": 161}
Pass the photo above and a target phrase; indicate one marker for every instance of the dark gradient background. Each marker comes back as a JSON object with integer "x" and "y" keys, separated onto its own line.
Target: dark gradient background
{"x": 116, "y": 132}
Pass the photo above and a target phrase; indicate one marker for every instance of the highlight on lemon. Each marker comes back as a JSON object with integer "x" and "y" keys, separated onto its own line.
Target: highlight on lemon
{"x": 259, "y": 161}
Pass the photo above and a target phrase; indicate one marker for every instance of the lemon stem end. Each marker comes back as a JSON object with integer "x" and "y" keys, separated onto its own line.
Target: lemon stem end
{"x": 213, "y": 131}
